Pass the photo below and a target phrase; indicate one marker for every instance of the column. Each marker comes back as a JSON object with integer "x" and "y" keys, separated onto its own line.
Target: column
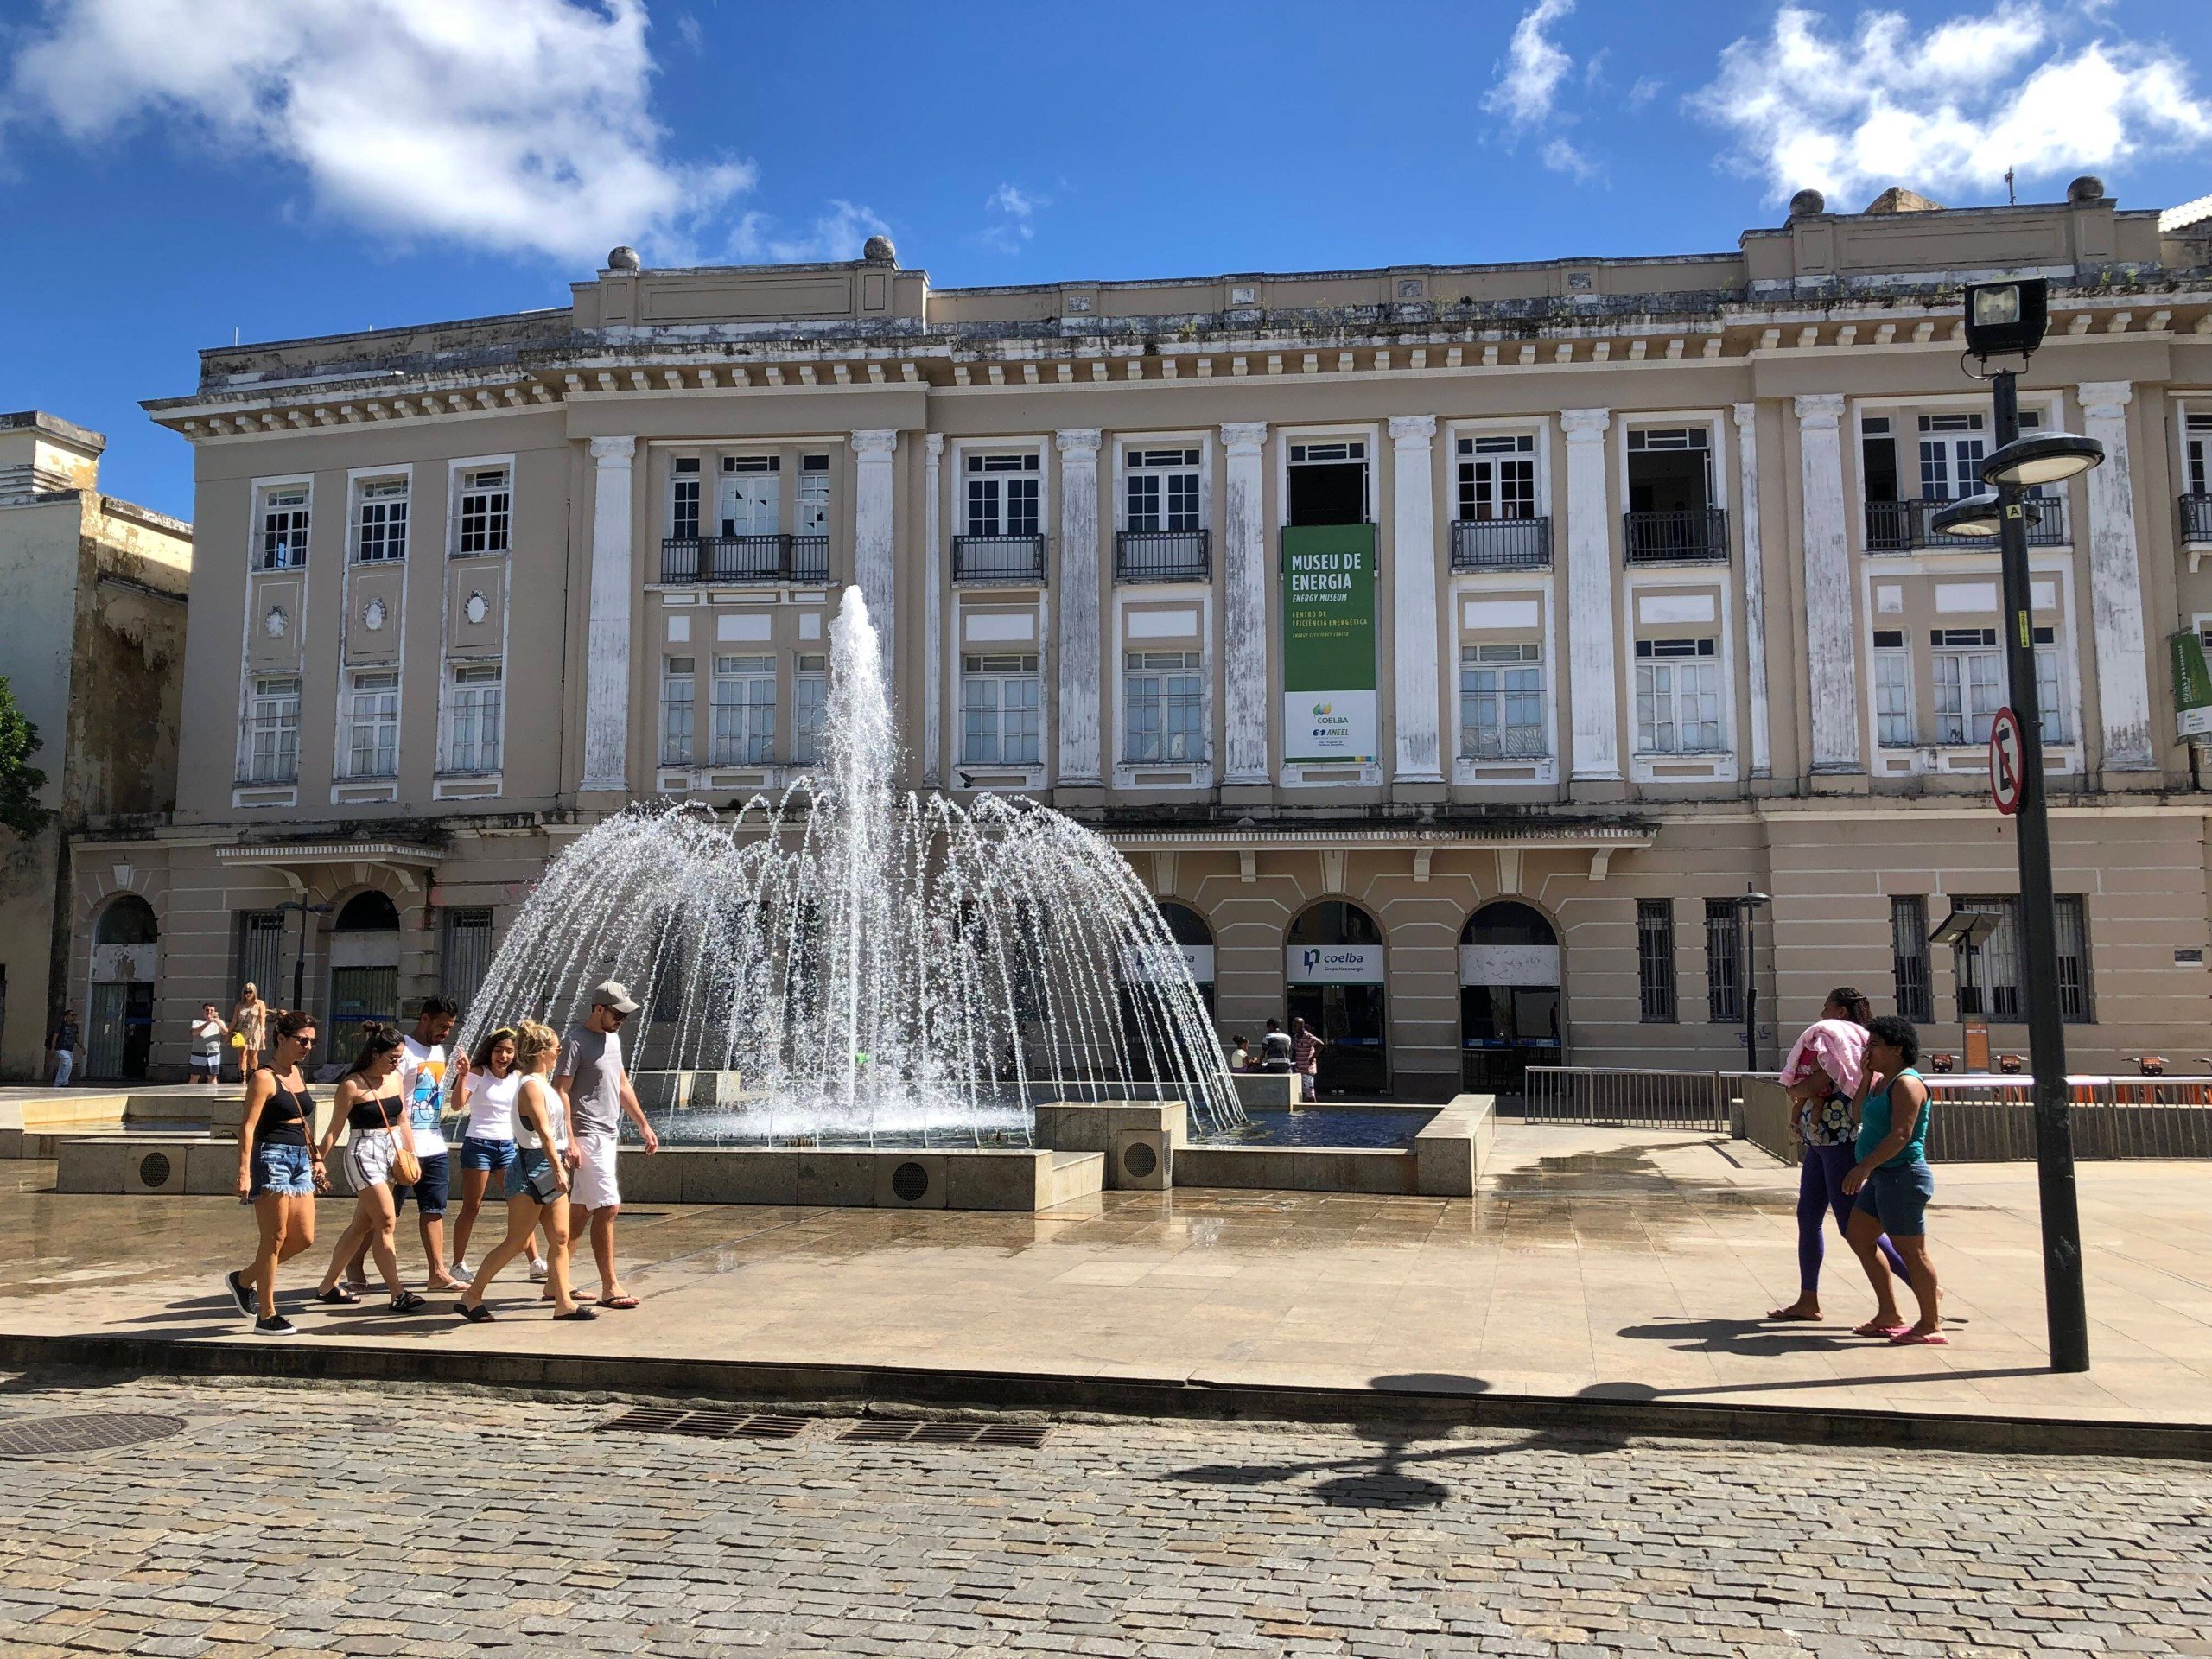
{"x": 1079, "y": 596}
{"x": 606, "y": 674}
{"x": 1831, "y": 653}
{"x": 1747, "y": 460}
{"x": 2116, "y": 583}
{"x": 933, "y": 612}
{"x": 1413, "y": 595}
{"x": 874, "y": 545}
{"x": 1591, "y": 649}
{"x": 1244, "y": 604}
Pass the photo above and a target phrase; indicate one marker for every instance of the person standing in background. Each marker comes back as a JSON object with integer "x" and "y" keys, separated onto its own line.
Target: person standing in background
{"x": 205, "y": 1059}
{"x": 249, "y": 1029}
{"x": 1306, "y": 1060}
{"x": 422, "y": 1081}
{"x": 62, "y": 1047}
{"x": 595, "y": 1093}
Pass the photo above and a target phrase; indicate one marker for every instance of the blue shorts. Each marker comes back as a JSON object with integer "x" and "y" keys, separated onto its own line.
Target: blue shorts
{"x": 479, "y": 1154}
{"x": 282, "y": 1171}
{"x": 429, "y": 1192}
{"x": 1899, "y": 1198}
{"x": 528, "y": 1161}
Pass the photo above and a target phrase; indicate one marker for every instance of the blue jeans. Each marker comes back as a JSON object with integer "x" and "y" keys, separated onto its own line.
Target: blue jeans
{"x": 428, "y": 1193}
{"x": 1898, "y": 1197}
{"x": 477, "y": 1153}
{"x": 284, "y": 1172}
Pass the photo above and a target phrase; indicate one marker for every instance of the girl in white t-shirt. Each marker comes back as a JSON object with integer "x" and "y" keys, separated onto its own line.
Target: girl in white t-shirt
{"x": 488, "y": 1145}
{"x": 537, "y": 1180}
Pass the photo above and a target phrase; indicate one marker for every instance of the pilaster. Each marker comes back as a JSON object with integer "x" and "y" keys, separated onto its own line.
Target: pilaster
{"x": 1592, "y": 651}
{"x": 1831, "y": 653}
{"x": 1080, "y": 664}
{"x": 2116, "y": 583}
{"x": 1761, "y": 735}
{"x": 1244, "y": 604}
{"x": 933, "y": 610}
{"x": 875, "y": 543}
{"x": 1413, "y": 589}
{"x": 606, "y": 674}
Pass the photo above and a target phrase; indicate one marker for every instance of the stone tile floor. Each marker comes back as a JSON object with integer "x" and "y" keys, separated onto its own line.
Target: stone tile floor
{"x": 445, "y": 1525}
{"x": 1619, "y": 1263}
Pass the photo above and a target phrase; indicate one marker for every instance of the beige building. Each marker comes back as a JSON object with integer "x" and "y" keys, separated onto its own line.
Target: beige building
{"x": 92, "y": 642}
{"x": 1449, "y": 645}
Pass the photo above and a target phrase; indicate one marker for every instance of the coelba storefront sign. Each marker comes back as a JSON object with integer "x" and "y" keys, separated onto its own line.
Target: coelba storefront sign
{"x": 1334, "y": 964}
{"x": 1328, "y": 645}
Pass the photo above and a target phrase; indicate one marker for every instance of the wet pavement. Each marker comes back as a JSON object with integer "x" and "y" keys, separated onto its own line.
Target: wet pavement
{"x": 1611, "y": 1264}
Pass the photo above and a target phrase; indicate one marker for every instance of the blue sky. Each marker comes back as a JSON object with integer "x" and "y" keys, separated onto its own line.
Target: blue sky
{"x": 176, "y": 171}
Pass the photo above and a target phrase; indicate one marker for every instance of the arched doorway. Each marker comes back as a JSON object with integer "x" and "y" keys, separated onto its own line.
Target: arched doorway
{"x": 127, "y": 942}
{"x": 1195, "y": 939}
{"x": 364, "y": 971}
{"x": 1509, "y": 1014}
{"x": 1334, "y": 964}
{"x": 1193, "y": 942}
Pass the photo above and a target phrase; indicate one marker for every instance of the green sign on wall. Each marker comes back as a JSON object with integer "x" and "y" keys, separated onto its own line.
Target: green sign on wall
{"x": 1329, "y": 711}
{"x": 2192, "y": 685}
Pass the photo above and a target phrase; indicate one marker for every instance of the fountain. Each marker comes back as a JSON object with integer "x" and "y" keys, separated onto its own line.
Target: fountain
{"x": 850, "y": 965}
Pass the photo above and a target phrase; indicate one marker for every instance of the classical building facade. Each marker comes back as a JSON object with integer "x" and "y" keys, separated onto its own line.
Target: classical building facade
{"x": 92, "y": 593}
{"x": 1450, "y": 647}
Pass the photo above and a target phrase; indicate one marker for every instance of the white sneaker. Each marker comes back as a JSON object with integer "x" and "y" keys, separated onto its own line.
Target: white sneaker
{"x": 539, "y": 1272}
{"x": 462, "y": 1270}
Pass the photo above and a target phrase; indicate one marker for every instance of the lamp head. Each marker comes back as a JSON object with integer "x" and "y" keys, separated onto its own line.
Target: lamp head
{"x": 2006, "y": 319}
{"x": 1974, "y": 514}
{"x": 2041, "y": 458}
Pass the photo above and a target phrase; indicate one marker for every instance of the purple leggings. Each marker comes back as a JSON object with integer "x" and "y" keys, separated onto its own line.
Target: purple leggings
{"x": 1820, "y": 1189}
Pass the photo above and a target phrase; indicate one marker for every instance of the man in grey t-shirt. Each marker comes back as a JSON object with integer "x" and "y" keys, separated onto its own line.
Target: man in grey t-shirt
{"x": 595, "y": 1089}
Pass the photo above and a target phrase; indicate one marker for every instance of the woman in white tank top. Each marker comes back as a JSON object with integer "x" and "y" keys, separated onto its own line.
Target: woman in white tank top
{"x": 538, "y": 1179}
{"x": 488, "y": 1146}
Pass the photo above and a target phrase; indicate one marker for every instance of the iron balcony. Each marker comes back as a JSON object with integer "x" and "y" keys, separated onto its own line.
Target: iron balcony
{"x": 2196, "y": 518}
{"x": 1679, "y": 535}
{"x": 1502, "y": 544}
{"x": 746, "y": 558}
{"x": 1161, "y": 556}
{"x": 998, "y": 558}
{"x": 1907, "y": 526}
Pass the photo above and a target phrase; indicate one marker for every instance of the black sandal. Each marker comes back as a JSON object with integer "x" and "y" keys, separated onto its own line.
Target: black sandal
{"x": 336, "y": 1296}
{"x": 577, "y": 1313}
{"x": 407, "y": 1302}
{"x": 478, "y": 1314}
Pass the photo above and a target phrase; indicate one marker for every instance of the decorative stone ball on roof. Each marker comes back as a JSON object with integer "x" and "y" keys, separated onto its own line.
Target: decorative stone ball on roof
{"x": 1805, "y": 203}
{"x": 625, "y": 259}
{"x": 2087, "y": 188}
{"x": 879, "y": 252}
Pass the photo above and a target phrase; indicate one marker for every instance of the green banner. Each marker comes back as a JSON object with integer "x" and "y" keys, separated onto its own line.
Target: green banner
{"x": 2192, "y": 685}
{"x": 1329, "y": 711}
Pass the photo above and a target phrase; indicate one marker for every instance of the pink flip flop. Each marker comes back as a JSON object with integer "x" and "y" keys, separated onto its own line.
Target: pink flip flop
{"x": 1920, "y": 1339}
{"x": 1871, "y": 1329}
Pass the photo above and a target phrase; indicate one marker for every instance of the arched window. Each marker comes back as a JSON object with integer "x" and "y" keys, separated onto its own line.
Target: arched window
{"x": 1508, "y": 922}
{"x": 1184, "y": 925}
{"x": 128, "y": 920}
{"x": 1333, "y": 921}
{"x": 367, "y": 913}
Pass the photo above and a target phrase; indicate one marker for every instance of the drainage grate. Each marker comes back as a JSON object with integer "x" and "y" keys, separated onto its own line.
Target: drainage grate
{"x": 45, "y": 1437}
{"x": 890, "y": 1431}
{"x": 707, "y": 1425}
{"x": 1139, "y": 1160}
{"x": 910, "y": 1182}
{"x": 154, "y": 1169}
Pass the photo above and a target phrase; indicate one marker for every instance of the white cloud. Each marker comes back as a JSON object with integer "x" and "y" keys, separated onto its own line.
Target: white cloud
{"x": 1535, "y": 66}
{"x": 515, "y": 126}
{"x": 1013, "y": 213}
{"x": 1947, "y": 110}
{"x": 688, "y": 31}
{"x": 839, "y": 233}
{"x": 1647, "y": 87}
{"x": 1563, "y": 157}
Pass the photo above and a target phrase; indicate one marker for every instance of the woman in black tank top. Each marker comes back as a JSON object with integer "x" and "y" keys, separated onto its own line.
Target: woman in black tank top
{"x": 376, "y": 1119}
{"x": 278, "y": 1171}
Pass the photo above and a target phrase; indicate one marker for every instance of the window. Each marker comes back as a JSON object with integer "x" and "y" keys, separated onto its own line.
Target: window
{"x": 261, "y": 952}
{"x": 1892, "y": 689}
{"x": 1161, "y": 488}
{"x": 1990, "y": 980}
{"x": 1951, "y": 450}
{"x": 751, "y": 499}
{"x": 485, "y": 510}
{"x": 1908, "y": 956}
{"x": 2050, "y": 699}
{"x": 1969, "y": 678}
{"x": 1161, "y": 696}
{"x": 1502, "y": 702}
{"x": 1002, "y": 495}
{"x": 684, "y": 499}
{"x": 810, "y": 707}
{"x": 2197, "y": 453}
{"x": 1677, "y": 697}
{"x": 745, "y": 711}
{"x": 1724, "y": 961}
{"x": 284, "y": 528}
{"x": 2073, "y": 926}
{"x": 380, "y": 521}
{"x": 999, "y": 710}
{"x": 472, "y": 718}
{"x": 813, "y": 505}
{"x": 1328, "y": 483}
{"x": 468, "y": 953}
{"x": 1669, "y": 469}
{"x": 678, "y": 702}
{"x": 1877, "y": 455}
{"x": 1497, "y": 477}
{"x": 1655, "y": 960}
{"x": 272, "y": 726}
{"x": 372, "y": 724}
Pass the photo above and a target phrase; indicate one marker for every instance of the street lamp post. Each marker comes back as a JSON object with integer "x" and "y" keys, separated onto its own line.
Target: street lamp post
{"x": 300, "y": 962}
{"x": 1747, "y": 908}
{"x": 2006, "y": 320}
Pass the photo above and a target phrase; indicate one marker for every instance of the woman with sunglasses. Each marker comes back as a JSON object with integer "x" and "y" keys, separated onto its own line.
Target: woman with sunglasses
{"x": 537, "y": 1181}
{"x": 277, "y": 1173}
{"x": 373, "y": 1108}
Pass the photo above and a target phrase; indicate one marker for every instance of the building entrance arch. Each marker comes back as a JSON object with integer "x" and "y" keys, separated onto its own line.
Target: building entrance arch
{"x": 1334, "y": 967}
{"x": 119, "y": 1028}
{"x": 1510, "y": 1016}
{"x": 364, "y": 971}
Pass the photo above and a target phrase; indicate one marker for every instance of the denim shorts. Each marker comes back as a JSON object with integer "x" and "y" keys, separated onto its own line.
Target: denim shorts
{"x": 477, "y": 1153}
{"x": 528, "y": 1161}
{"x": 431, "y": 1192}
{"x": 285, "y": 1171}
{"x": 1899, "y": 1198}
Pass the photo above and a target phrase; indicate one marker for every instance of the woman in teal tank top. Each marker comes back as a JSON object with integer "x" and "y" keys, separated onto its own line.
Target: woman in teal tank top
{"x": 1893, "y": 1183}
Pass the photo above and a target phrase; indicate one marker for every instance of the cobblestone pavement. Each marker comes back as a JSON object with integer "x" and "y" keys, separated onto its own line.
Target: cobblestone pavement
{"x": 362, "y": 1521}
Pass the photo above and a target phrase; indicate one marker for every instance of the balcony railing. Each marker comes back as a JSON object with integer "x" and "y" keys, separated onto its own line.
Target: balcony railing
{"x": 745, "y": 558}
{"x": 1161, "y": 556}
{"x": 998, "y": 558}
{"x": 1681, "y": 536}
{"x": 1908, "y": 526}
{"x": 2196, "y": 518}
{"x": 1502, "y": 544}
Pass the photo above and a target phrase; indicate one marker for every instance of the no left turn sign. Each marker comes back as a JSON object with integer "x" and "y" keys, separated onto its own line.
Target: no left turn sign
{"x": 2008, "y": 773}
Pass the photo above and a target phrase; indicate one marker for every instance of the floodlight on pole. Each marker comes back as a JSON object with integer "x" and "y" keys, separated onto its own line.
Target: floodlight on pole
{"x": 1980, "y": 516}
{"x": 2041, "y": 458}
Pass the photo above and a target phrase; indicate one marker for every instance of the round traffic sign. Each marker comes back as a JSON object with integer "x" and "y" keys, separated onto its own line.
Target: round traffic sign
{"x": 2008, "y": 771}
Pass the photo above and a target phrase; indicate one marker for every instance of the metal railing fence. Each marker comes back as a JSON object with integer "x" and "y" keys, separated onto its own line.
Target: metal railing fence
{"x": 1638, "y": 1099}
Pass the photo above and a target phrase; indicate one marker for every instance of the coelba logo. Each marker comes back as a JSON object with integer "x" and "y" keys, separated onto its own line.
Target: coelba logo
{"x": 1312, "y": 959}
{"x": 1324, "y": 708}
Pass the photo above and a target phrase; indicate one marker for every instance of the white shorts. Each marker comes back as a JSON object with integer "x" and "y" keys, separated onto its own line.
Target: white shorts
{"x": 369, "y": 1158}
{"x": 592, "y": 1185}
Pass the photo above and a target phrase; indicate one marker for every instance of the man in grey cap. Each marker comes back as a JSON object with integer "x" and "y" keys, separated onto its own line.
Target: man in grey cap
{"x": 595, "y": 1089}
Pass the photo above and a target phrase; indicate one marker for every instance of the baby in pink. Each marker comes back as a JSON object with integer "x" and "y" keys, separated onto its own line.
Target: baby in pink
{"x": 1837, "y": 1047}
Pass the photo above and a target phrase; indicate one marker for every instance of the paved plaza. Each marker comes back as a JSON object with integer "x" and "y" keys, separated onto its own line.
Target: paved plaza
{"x": 1620, "y": 1265}
{"x": 430, "y": 1523}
